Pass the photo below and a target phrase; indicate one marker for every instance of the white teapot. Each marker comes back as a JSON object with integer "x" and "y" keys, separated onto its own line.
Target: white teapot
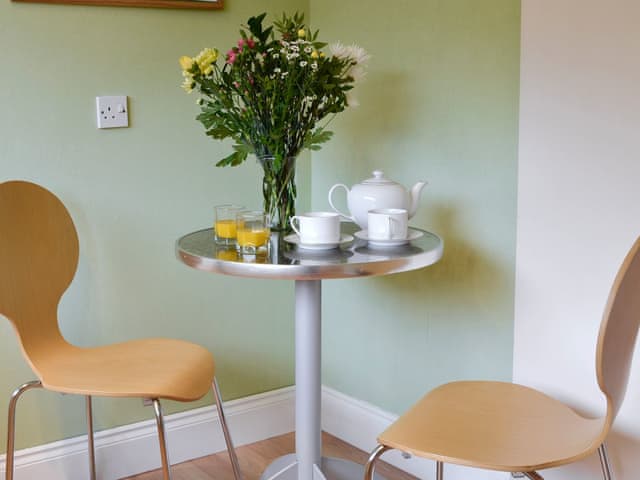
{"x": 377, "y": 192}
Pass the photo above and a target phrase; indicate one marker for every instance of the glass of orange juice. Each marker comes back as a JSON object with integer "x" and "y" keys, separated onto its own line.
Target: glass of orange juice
{"x": 252, "y": 232}
{"x": 225, "y": 223}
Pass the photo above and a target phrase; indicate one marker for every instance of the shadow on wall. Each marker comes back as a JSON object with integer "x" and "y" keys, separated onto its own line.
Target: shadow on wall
{"x": 388, "y": 105}
{"x": 463, "y": 276}
{"x": 619, "y": 446}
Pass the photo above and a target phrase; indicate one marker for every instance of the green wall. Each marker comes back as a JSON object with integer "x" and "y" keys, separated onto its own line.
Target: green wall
{"x": 439, "y": 103}
{"x": 132, "y": 192}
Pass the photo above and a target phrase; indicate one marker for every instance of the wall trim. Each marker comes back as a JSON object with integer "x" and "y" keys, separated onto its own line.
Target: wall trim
{"x": 133, "y": 449}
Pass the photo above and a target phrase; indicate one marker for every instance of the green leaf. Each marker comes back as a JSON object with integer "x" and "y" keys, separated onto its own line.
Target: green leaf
{"x": 243, "y": 148}
{"x": 235, "y": 159}
{"x": 255, "y": 27}
{"x": 219, "y": 132}
{"x": 208, "y": 119}
{"x": 255, "y": 23}
{"x": 314, "y": 139}
{"x": 226, "y": 160}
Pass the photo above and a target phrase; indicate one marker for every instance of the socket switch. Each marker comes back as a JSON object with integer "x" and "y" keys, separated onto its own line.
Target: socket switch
{"x": 112, "y": 111}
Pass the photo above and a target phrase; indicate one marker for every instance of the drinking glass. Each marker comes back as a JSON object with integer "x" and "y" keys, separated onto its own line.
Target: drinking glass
{"x": 228, "y": 254}
{"x": 225, "y": 223}
{"x": 252, "y": 232}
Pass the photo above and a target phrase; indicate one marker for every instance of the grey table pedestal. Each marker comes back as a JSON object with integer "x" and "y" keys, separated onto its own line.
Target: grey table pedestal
{"x": 308, "y": 269}
{"x": 286, "y": 468}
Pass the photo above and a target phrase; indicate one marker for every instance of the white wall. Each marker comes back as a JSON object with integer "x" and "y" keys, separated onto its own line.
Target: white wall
{"x": 578, "y": 202}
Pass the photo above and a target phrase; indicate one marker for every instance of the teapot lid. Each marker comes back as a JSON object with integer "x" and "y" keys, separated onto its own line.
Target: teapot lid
{"x": 378, "y": 179}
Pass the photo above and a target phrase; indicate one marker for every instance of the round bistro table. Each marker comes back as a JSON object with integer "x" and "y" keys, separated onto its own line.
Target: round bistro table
{"x": 308, "y": 268}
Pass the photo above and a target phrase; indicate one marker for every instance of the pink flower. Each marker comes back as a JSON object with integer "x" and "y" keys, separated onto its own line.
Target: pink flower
{"x": 231, "y": 57}
{"x": 251, "y": 43}
{"x": 241, "y": 43}
{"x": 236, "y": 84}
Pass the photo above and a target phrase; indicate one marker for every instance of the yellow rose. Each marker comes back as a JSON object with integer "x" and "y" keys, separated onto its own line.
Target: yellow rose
{"x": 314, "y": 54}
{"x": 186, "y": 62}
{"x": 302, "y": 33}
{"x": 205, "y": 58}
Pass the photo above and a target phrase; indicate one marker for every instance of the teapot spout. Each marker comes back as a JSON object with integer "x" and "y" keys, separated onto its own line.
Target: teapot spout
{"x": 414, "y": 197}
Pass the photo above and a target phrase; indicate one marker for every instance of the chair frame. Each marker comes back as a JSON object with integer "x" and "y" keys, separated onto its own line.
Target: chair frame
{"x": 166, "y": 464}
{"x": 30, "y": 207}
{"x": 614, "y": 353}
{"x": 376, "y": 453}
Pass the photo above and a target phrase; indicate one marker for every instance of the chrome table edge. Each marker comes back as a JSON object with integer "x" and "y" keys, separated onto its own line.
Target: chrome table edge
{"x": 420, "y": 253}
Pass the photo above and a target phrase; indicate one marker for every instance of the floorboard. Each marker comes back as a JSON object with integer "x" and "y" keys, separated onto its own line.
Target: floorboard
{"x": 255, "y": 457}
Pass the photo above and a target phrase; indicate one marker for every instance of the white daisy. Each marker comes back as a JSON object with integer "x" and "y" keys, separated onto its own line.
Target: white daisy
{"x": 354, "y": 52}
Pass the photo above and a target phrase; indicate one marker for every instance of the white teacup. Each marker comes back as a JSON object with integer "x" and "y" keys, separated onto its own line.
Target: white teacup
{"x": 317, "y": 227}
{"x": 387, "y": 224}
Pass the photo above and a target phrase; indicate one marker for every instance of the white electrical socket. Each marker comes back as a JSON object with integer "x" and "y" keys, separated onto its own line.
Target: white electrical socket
{"x": 112, "y": 112}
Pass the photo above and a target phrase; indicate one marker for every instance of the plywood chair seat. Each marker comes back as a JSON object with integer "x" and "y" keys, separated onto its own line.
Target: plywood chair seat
{"x": 494, "y": 425}
{"x": 513, "y": 428}
{"x": 150, "y": 368}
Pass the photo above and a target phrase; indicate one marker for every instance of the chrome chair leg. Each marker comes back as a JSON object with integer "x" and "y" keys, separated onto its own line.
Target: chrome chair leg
{"x": 439, "y": 470}
{"x": 235, "y": 465}
{"x": 92, "y": 450}
{"x": 166, "y": 465}
{"x": 370, "y": 466}
{"x": 11, "y": 425}
{"x": 604, "y": 462}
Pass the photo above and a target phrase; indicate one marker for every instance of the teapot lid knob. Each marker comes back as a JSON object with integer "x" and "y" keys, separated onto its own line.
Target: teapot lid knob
{"x": 378, "y": 179}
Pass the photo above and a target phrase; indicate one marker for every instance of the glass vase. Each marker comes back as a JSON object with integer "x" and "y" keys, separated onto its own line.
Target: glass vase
{"x": 279, "y": 190}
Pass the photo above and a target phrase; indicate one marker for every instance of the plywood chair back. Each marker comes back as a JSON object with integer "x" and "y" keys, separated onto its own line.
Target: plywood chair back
{"x": 618, "y": 332}
{"x": 38, "y": 260}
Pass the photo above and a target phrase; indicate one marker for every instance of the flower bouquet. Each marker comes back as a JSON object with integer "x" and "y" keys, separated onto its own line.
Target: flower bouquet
{"x": 270, "y": 94}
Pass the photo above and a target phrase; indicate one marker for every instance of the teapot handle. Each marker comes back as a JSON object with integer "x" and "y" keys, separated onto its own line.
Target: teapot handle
{"x": 346, "y": 189}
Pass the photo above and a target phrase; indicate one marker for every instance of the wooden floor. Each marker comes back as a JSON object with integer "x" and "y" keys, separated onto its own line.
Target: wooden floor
{"x": 255, "y": 457}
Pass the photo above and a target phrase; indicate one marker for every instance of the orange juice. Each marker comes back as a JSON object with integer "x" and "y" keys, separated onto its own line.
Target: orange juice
{"x": 253, "y": 238}
{"x": 226, "y": 228}
{"x": 229, "y": 255}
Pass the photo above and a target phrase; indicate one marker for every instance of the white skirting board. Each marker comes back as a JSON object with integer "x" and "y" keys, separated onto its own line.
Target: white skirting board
{"x": 133, "y": 449}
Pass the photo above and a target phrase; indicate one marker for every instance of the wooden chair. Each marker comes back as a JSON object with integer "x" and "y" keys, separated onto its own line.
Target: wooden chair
{"x": 38, "y": 260}
{"x": 513, "y": 428}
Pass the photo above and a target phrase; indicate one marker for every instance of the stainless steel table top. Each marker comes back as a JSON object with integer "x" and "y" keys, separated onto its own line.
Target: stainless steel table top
{"x": 288, "y": 262}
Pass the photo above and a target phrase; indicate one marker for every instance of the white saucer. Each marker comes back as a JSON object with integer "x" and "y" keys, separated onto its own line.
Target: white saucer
{"x": 294, "y": 239}
{"x": 395, "y": 242}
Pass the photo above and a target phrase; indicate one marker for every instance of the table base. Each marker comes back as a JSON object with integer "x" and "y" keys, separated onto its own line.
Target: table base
{"x": 286, "y": 468}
